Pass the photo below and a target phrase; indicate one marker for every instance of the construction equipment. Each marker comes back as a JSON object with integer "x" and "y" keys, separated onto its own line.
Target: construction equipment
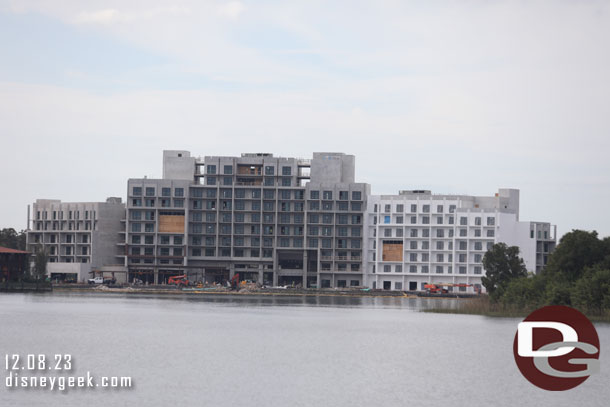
{"x": 442, "y": 288}
{"x": 178, "y": 280}
{"x": 235, "y": 282}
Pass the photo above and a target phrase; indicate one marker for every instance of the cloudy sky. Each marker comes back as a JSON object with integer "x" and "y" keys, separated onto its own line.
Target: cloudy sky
{"x": 456, "y": 97}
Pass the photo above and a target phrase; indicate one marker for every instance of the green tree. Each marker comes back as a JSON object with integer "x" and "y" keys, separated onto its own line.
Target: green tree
{"x": 524, "y": 293}
{"x": 11, "y": 239}
{"x": 41, "y": 259}
{"x": 502, "y": 264}
{"x": 576, "y": 251}
{"x": 592, "y": 292}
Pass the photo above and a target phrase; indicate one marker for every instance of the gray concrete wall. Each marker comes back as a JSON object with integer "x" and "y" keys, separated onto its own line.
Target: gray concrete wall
{"x": 178, "y": 164}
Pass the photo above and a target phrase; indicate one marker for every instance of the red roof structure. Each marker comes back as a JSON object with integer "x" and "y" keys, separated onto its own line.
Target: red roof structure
{"x": 7, "y": 250}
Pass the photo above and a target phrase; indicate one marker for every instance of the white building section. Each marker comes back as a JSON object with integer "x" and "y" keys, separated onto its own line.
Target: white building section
{"x": 417, "y": 238}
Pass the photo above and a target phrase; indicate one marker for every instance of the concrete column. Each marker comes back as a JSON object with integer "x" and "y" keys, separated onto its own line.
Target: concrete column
{"x": 156, "y": 276}
{"x": 231, "y": 271}
{"x": 305, "y": 267}
{"x": 318, "y": 280}
{"x": 260, "y": 274}
{"x": 275, "y": 268}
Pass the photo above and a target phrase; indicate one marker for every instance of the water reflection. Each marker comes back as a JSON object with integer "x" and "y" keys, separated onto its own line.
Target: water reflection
{"x": 240, "y": 300}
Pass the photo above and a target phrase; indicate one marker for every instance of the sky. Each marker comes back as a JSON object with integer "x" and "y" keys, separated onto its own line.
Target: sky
{"x": 452, "y": 96}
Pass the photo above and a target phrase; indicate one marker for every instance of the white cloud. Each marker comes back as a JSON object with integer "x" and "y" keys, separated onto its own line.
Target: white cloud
{"x": 231, "y": 9}
{"x": 107, "y": 16}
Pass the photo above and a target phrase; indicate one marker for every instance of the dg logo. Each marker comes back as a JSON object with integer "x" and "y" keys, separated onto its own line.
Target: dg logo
{"x": 556, "y": 348}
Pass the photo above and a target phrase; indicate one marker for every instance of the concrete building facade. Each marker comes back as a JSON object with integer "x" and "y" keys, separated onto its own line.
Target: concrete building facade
{"x": 417, "y": 238}
{"x": 79, "y": 237}
{"x": 273, "y": 220}
{"x": 282, "y": 221}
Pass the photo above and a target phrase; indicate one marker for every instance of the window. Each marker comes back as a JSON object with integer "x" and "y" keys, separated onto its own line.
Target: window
{"x": 491, "y": 221}
{"x": 477, "y": 221}
{"x": 413, "y": 208}
{"x": 439, "y": 208}
{"x": 179, "y": 192}
{"x": 343, "y": 195}
{"x": 400, "y": 208}
{"x": 463, "y": 220}
{"x": 269, "y": 170}
{"x": 269, "y": 182}
{"x": 286, "y": 171}
{"x": 356, "y": 195}
{"x": 286, "y": 182}
{"x": 150, "y": 191}
{"x": 439, "y": 269}
{"x": 386, "y": 219}
{"x": 227, "y": 180}
{"x": 137, "y": 191}
{"x": 426, "y": 209}
{"x": 228, "y": 169}
{"x": 327, "y": 195}
{"x": 211, "y": 169}
{"x": 387, "y": 268}
{"x": 398, "y": 268}
{"x": 314, "y": 194}
{"x": 387, "y": 208}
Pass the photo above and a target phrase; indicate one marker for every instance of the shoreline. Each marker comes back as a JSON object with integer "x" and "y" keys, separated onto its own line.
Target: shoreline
{"x": 482, "y": 307}
{"x": 243, "y": 292}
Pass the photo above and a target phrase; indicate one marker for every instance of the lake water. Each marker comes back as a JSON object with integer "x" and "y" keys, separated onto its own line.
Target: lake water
{"x": 276, "y": 351}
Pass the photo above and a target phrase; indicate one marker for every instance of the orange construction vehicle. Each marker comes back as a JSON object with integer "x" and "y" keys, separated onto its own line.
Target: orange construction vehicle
{"x": 442, "y": 288}
{"x": 178, "y": 280}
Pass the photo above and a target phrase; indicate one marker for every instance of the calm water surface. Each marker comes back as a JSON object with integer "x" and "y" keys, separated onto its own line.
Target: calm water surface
{"x": 276, "y": 351}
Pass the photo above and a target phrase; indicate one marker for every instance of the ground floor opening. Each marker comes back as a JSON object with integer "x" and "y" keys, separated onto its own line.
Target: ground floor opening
{"x": 64, "y": 277}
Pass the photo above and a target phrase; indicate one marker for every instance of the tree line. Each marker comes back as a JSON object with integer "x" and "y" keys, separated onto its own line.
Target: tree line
{"x": 12, "y": 239}
{"x": 577, "y": 274}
